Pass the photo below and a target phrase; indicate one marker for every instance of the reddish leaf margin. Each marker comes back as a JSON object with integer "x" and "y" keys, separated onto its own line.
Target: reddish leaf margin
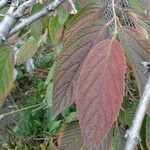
{"x": 100, "y": 89}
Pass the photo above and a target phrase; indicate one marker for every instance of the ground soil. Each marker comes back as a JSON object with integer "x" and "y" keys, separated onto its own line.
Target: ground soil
{"x": 8, "y": 122}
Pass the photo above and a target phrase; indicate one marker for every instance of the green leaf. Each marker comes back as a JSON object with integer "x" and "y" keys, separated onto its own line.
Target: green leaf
{"x": 135, "y": 4}
{"x": 71, "y": 117}
{"x": 49, "y": 84}
{"x": 49, "y": 93}
{"x": 36, "y": 29}
{"x": 143, "y": 132}
{"x": 50, "y": 75}
{"x": 55, "y": 127}
{"x": 62, "y": 15}
{"x": 148, "y": 132}
{"x": 116, "y": 142}
{"x": 126, "y": 117}
{"x": 44, "y": 20}
{"x": 6, "y": 72}
{"x": 44, "y": 38}
{"x": 26, "y": 51}
{"x": 37, "y": 7}
{"x": 54, "y": 27}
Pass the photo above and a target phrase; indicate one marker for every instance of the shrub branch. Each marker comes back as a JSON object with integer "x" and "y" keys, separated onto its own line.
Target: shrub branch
{"x": 133, "y": 134}
{"x": 8, "y": 25}
{"x": 115, "y": 18}
{"x": 12, "y": 16}
{"x": 46, "y": 10}
{"x": 3, "y": 3}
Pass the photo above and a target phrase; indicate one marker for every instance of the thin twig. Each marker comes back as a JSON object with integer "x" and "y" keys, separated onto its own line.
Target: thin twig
{"x": 20, "y": 10}
{"x": 115, "y": 18}
{"x": 134, "y": 132}
{"x": 12, "y": 16}
{"x": 3, "y": 3}
{"x": 73, "y": 6}
{"x": 27, "y": 21}
{"x": 22, "y": 109}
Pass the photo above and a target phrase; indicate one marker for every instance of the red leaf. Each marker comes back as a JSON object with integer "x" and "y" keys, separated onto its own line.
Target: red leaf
{"x": 81, "y": 34}
{"x": 100, "y": 90}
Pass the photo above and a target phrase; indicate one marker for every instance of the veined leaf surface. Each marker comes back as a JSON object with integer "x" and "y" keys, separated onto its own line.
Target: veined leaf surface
{"x": 6, "y": 72}
{"x": 137, "y": 51}
{"x": 27, "y": 50}
{"x": 81, "y": 34}
{"x": 71, "y": 138}
{"x": 99, "y": 91}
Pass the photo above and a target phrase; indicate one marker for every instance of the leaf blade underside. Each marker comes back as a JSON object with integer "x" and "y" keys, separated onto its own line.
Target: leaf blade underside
{"x": 100, "y": 85}
{"x": 78, "y": 40}
{"x": 71, "y": 138}
{"x": 137, "y": 50}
